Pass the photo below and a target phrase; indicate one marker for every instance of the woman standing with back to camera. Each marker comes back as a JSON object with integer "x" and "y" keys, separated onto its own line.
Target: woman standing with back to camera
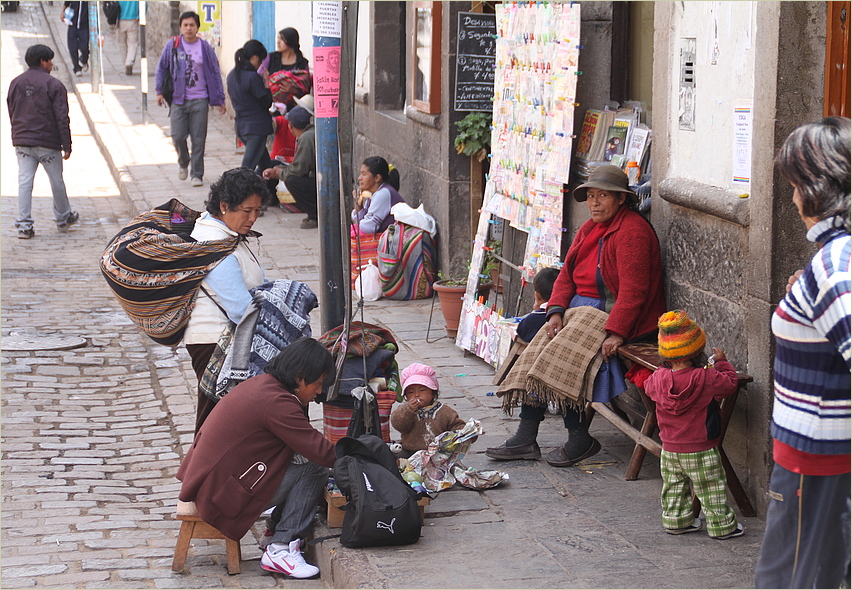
{"x": 807, "y": 524}
{"x": 251, "y": 100}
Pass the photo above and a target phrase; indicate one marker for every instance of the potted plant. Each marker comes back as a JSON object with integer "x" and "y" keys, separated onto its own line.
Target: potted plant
{"x": 491, "y": 266}
{"x": 474, "y": 135}
{"x": 451, "y": 296}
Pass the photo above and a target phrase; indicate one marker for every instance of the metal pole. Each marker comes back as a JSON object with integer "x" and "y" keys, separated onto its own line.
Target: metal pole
{"x": 326, "y": 17}
{"x": 94, "y": 54}
{"x": 346, "y": 137}
{"x": 143, "y": 20}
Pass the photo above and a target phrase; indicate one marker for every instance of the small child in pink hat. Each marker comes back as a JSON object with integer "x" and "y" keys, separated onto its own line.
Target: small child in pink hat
{"x": 421, "y": 417}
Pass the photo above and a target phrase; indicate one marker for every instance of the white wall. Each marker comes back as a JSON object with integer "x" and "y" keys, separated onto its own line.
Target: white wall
{"x": 706, "y": 154}
{"x": 362, "y": 59}
{"x": 298, "y": 16}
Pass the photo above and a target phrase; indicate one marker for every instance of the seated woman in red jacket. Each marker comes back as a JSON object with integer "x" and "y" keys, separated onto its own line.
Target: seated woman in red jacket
{"x": 257, "y": 450}
{"x": 613, "y": 264}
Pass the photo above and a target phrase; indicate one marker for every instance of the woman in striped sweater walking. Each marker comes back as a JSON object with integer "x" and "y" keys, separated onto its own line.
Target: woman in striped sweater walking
{"x": 807, "y": 525}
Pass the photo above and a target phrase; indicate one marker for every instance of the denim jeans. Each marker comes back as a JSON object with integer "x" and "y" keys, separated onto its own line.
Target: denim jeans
{"x": 78, "y": 47}
{"x": 255, "y": 155}
{"x": 190, "y": 120}
{"x": 28, "y": 160}
{"x": 296, "y": 501}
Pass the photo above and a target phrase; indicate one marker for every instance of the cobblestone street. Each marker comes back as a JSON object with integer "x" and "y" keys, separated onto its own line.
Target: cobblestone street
{"x": 91, "y": 435}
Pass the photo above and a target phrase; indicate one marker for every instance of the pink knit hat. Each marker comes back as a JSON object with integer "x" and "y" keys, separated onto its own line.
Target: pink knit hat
{"x": 417, "y": 373}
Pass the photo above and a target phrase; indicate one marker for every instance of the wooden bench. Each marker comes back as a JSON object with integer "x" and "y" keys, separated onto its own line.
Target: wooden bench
{"x": 647, "y": 356}
{"x": 193, "y": 527}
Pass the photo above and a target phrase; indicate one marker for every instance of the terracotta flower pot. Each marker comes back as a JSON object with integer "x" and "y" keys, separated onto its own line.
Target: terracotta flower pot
{"x": 451, "y": 298}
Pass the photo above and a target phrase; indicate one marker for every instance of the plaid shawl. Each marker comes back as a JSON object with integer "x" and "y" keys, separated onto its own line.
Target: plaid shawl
{"x": 561, "y": 370}
{"x": 155, "y": 268}
{"x": 280, "y": 314}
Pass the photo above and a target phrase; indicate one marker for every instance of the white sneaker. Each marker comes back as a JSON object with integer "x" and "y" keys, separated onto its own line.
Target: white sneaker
{"x": 288, "y": 561}
{"x": 196, "y": 181}
{"x": 182, "y": 173}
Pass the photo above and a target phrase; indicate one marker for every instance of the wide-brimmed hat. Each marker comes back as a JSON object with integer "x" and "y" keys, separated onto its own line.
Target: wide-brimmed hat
{"x": 306, "y": 102}
{"x": 606, "y": 178}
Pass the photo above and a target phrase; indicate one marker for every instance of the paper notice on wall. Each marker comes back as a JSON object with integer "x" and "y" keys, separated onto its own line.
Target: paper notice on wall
{"x": 326, "y": 81}
{"x": 327, "y": 19}
{"x": 742, "y": 144}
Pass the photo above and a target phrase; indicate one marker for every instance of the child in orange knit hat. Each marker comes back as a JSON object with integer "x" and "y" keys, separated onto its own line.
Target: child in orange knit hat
{"x": 687, "y": 395}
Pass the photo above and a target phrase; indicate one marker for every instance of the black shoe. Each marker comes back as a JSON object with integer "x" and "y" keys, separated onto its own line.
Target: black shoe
{"x": 529, "y": 451}
{"x": 73, "y": 218}
{"x": 128, "y": 70}
{"x": 559, "y": 457}
{"x": 309, "y": 224}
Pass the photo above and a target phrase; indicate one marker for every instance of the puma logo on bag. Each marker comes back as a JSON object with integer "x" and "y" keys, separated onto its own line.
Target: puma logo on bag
{"x": 384, "y": 525}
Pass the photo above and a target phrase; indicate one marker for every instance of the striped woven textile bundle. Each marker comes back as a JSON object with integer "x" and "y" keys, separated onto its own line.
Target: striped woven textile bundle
{"x": 335, "y": 421}
{"x": 155, "y": 268}
{"x": 369, "y": 251}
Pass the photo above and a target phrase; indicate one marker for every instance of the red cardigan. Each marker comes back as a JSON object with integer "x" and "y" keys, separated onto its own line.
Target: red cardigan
{"x": 632, "y": 272}
{"x": 242, "y": 451}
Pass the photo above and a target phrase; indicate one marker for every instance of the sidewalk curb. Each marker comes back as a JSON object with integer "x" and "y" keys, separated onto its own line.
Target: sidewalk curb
{"x": 122, "y": 177}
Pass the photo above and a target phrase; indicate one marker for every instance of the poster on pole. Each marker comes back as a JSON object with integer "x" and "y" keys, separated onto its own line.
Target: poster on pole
{"x": 326, "y": 81}
{"x": 327, "y": 19}
{"x": 210, "y": 14}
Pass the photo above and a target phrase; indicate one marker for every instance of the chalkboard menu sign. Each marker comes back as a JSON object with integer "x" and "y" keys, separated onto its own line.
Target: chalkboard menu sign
{"x": 475, "y": 61}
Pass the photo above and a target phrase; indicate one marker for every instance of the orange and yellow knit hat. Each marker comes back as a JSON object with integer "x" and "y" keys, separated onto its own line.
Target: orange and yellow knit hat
{"x": 679, "y": 338}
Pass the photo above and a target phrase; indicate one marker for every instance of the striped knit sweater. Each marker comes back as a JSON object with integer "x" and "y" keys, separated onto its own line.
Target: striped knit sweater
{"x": 812, "y": 360}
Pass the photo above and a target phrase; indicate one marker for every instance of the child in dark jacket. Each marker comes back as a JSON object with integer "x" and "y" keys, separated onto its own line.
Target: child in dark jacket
{"x": 687, "y": 393}
{"x": 421, "y": 417}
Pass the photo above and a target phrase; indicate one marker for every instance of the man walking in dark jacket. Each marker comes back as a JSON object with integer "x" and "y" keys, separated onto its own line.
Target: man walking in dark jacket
{"x": 41, "y": 134}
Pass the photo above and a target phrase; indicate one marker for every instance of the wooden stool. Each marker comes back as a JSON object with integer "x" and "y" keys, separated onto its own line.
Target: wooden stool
{"x": 193, "y": 527}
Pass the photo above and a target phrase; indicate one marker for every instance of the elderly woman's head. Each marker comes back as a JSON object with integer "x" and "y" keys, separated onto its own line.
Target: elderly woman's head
{"x": 605, "y": 193}
{"x": 301, "y": 368}
{"x": 236, "y": 198}
{"x": 815, "y": 160}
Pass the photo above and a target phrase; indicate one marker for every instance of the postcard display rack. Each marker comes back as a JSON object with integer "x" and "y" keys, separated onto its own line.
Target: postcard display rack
{"x": 535, "y": 86}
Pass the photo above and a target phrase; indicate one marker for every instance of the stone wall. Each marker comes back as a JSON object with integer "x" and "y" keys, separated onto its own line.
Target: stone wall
{"x": 162, "y": 24}
{"x": 727, "y": 258}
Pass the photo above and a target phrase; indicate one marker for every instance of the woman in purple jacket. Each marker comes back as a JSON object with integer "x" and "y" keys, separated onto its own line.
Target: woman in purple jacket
{"x": 379, "y": 183}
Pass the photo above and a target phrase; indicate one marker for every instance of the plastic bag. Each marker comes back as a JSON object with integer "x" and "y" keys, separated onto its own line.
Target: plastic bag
{"x": 368, "y": 286}
{"x": 404, "y": 213}
{"x": 440, "y": 466}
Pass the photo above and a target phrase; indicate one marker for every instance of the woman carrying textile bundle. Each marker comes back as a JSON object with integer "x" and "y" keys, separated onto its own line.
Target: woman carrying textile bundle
{"x": 233, "y": 207}
{"x": 379, "y": 183}
{"x": 613, "y": 265}
{"x": 251, "y": 100}
{"x": 808, "y": 521}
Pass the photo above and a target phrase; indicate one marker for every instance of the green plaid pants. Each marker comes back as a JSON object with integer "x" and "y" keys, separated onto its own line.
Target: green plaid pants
{"x": 704, "y": 470}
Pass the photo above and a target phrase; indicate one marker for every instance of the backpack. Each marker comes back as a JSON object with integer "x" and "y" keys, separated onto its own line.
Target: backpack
{"x": 155, "y": 268}
{"x": 381, "y": 508}
{"x": 406, "y": 262}
{"x": 112, "y": 10}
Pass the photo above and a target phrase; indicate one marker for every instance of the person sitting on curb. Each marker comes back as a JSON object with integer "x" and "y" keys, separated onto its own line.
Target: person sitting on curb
{"x": 257, "y": 450}
{"x": 300, "y": 176}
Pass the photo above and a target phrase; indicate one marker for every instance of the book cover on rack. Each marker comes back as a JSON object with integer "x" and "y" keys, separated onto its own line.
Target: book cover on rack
{"x": 616, "y": 139}
{"x": 607, "y": 118}
{"x": 587, "y": 133}
{"x": 638, "y": 143}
